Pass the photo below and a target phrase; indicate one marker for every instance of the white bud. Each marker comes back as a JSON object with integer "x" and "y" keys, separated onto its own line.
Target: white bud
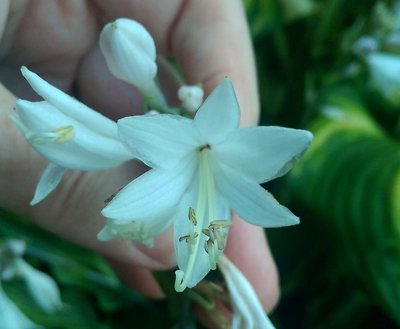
{"x": 130, "y": 53}
{"x": 191, "y": 97}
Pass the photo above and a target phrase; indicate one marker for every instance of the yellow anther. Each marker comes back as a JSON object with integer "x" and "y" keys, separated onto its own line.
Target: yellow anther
{"x": 65, "y": 133}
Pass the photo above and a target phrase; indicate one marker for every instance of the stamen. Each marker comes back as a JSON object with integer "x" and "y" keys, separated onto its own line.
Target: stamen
{"x": 192, "y": 216}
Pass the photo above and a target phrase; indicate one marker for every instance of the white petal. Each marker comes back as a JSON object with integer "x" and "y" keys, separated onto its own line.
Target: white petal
{"x": 263, "y": 153}
{"x": 159, "y": 140}
{"x": 152, "y": 194}
{"x": 69, "y": 105}
{"x": 248, "y": 312}
{"x": 183, "y": 226}
{"x": 130, "y": 52}
{"x": 49, "y": 180}
{"x": 219, "y": 114}
{"x": 251, "y": 201}
{"x": 85, "y": 149}
{"x": 41, "y": 286}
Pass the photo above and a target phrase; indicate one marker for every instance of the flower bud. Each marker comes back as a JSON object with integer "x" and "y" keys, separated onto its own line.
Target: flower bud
{"x": 130, "y": 53}
{"x": 191, "y": 97}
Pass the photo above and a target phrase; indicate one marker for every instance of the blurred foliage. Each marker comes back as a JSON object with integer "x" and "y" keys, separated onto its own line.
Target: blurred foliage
{"x": 340, "y": 267}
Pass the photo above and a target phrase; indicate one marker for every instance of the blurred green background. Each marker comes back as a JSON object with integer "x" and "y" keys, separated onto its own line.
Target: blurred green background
{"x": 332, "y": 67}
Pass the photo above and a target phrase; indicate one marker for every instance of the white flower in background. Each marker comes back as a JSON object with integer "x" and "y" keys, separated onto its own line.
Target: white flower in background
{"x": 365, "y": 45}
{"x": 202, "y": 169}
{"x": 385, "y": 75}
{"x": 191, "y": 97}
{"x": 248, "y": 312}
{"x": 67, "y": 133}
{"x": 10, "y": 315}
{"x": 41, "y": 286}
{"x": 130, "y": 54}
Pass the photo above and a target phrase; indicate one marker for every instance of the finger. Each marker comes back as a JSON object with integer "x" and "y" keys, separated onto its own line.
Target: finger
{"x": 248, "y": 250}
{"x": 139, "y": 279}
{"x": 211, "y": 40}
{"x": 50, "y": 37}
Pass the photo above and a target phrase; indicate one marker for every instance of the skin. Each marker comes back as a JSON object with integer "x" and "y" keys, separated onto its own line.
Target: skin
{"x": 58, "y": 40}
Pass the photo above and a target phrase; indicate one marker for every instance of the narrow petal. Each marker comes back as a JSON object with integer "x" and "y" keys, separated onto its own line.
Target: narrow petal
{"x": 186, "y": 249}
{"x": 80, "y": 148}
{"x": 248, "y": 312}
{"x": 251, "y": 201}
{"x": 69, "y": 105}
{"x": 160, "y": 141}
{"x": 263, "y": 153}
{"x": 49, "y": 180}
{"x": 194, "y": 246}
{"x": 152, "y": 194}
{"x": 219, "y": 114}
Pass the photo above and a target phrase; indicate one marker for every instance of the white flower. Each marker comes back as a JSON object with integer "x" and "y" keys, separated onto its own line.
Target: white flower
{"x": 248, "y": 312}
{"x": 67, "y": 133}
{"x": 130, "y": 54}
{"x": 202, "y": 169}
{"x": 191, "y": 97}
{"x": 385, "y": 75}
{"x": 10, "y": 315}
{"x": 41, "y": 286}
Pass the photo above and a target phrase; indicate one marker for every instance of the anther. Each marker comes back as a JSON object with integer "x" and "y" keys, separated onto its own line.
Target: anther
{"x": 192, "y": 216}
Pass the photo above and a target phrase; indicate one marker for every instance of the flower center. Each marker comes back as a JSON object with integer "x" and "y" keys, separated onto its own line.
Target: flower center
{"x": 215, "y": 231}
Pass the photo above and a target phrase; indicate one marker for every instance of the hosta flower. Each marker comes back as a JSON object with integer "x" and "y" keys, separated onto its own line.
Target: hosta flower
{"x": 247, "y": 310}
{"x": 202, "y": 169}
{"x": 191, "y": 97}
{"x": 130, "y": 54}
{"x": 67, "y": 133}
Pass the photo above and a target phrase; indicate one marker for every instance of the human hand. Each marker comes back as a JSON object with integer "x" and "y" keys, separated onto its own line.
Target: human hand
{"x": 58, "y": 40}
